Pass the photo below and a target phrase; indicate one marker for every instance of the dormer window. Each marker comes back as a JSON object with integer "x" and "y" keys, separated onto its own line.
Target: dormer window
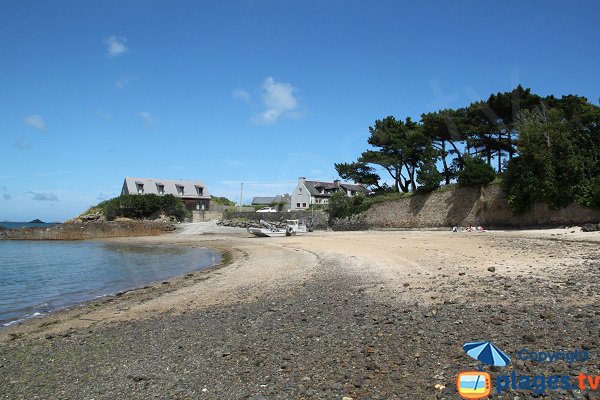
{"x": 199, "y": 190}
{"x": 160, "y": 189}
{"x": 140, "y": 188}
{"x": 179, "y": 190}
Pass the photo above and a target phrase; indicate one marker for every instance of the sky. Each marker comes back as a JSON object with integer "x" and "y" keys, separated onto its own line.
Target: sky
{"x": 260, "y": 92}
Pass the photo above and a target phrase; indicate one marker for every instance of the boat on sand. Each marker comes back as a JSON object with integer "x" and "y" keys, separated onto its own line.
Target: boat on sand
{"x": 293, "y": 227}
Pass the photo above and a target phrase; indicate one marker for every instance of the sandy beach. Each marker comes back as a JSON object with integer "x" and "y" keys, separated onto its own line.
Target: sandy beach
{"x": 365, "y": 315}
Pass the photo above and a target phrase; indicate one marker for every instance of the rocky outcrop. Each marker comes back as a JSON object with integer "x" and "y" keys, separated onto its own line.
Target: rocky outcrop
{"x": 591, "y": 227}
{"x": 90, "y": 230}
{"x": 87, "y": 217}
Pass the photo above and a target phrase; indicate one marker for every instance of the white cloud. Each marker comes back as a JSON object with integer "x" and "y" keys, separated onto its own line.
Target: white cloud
{"x": 115, "y": 46}
{"x": 43, "y": 196}
{"x": 240, "y": 94}
{"x": 35, "y": 121}
{"x": 147, "y": 117}
{"x": 121, "y": 83}
{"x": 278, "y": 99}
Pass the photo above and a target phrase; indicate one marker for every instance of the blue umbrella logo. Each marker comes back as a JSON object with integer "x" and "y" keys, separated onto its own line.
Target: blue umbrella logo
{"x": 487, "y": 353}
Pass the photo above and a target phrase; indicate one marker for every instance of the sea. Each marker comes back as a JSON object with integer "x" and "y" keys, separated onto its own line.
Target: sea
{"x": 6, "y": 224}
{"x": 38, "y": 277}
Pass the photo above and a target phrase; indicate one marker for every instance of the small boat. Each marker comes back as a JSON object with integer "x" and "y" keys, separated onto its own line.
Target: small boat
{"x": 293, "y": 227}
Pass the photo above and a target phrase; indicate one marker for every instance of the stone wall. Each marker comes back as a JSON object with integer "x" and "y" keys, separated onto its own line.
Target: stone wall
{"x": 475, "y": 206}
{"x": 318, "y": 218}
{"x": 220, "y": 208}
{"x": 200, "y": 216}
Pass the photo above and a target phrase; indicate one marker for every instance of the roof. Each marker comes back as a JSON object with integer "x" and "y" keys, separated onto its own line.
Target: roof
{"x": 313, "y": 185}
{"x": 170, "y": 187}
{"x": 270, "y": 200}
{"x": 263, "y": 200}
{"x": 286, "y": 199}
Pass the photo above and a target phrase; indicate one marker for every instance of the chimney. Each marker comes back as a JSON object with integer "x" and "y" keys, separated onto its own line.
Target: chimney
{"x": 336, "y": 183}
{"x": 301, "y": 179}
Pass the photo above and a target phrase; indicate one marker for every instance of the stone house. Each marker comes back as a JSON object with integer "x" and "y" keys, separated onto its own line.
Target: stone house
{"x": 308, "y": 192}
{"x": 194, "y": 194}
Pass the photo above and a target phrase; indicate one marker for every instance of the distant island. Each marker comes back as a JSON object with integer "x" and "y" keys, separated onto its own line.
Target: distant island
{"x": 36, "y": 221}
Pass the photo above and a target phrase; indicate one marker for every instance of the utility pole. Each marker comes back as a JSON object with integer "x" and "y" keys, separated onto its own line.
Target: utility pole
{"x": 241, "y": 194}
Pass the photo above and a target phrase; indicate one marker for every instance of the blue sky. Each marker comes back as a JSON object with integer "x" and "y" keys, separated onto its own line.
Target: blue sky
{"x": 259, "y": 92}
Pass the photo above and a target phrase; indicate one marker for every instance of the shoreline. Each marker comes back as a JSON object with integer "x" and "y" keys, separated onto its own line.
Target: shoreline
{"x": 35, "y": 324}
{"x": 332, "y": 314}
{"x": 218, "y": 242}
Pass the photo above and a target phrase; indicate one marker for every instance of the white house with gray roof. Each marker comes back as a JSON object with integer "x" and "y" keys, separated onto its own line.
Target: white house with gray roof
{"x": 194, "y": 194}
{"x": 317, "y": 192}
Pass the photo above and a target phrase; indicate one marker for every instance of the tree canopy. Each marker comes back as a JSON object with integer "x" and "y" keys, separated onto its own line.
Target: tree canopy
{"x": 546, "y": 149}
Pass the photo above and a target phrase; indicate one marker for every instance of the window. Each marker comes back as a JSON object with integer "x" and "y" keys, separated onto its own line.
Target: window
{"x": 297, "y": 205}
{"x": 199, "y": 190}
{"x": 179, "y": 190}
{"x": 303, "y": 205}
{"x": 140, "y": 188}
{"x": 160, "y": 189}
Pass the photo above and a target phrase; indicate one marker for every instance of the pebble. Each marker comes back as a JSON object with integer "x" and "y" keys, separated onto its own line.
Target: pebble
{"x": 325, "y": 338}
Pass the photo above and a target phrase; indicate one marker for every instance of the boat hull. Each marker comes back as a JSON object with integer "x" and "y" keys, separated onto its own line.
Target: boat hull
{"x": 266, "y": 232}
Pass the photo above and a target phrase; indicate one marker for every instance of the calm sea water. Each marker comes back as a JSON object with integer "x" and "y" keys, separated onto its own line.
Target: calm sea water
{"x": 37, "y": 277}
{"x": 23, "y": 224}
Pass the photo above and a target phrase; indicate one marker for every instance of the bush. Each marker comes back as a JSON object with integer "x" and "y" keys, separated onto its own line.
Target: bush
{"x": 595, "y": 193}
{"x": 173, "y": 207}
{"x": 522, "y": 184}
{"x": 475, "y": 172}
{"x": 221, "y": 201}
{"x": 109, "y": 212}
{"x": 428, "y": 178}
{"x": 583, "y": 191}
{"x": 143, "y": 206}
{"x": 342, "y": 206}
